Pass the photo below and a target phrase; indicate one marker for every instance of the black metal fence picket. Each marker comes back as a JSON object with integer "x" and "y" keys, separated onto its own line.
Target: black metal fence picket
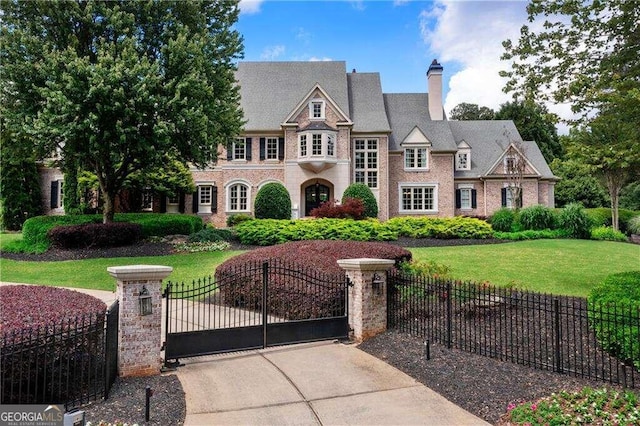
{"x": 70, "y": 362}
{"x": 543, "y": 331}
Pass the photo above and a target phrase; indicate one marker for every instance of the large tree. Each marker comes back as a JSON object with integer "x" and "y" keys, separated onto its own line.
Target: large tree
{"x": 535, "y": 123}
{"x": 584, "y": 53}
{"x": 114, "y": 86}
{"x": 467, "y": 111}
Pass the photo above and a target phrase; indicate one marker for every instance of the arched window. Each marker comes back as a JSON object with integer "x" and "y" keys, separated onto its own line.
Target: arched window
{"x": 238, "y": 197}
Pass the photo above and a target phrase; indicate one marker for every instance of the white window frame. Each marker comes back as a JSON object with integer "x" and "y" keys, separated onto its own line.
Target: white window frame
{"x": 319, "y": 113}
{"x": 509, "y": 198}
{"x": 413, "y": 187}
{"x": 271, "y": 149}
{"x": 414, "y": 150}
{"x": 317, "y": 144}
{"x": 459, "y": 155}
{"x": 147, "y": 200}
{"x": 507, "y": 160}
{"x": 304, "y": 145}
{"x": 205, "y": 195}
{"x": 238, "y": 206}
{"x": 239, "y": 150}
{"x": 366, "y": 172}
{"x": 60, "y": 194}
{"x": 466, "y": 188}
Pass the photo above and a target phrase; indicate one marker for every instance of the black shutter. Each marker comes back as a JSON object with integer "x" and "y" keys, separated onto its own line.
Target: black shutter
{"x": 458, "y": 199}
{"x": 181, "y": 203}
{"x": 263, "y": 149}
{"x": 474, "y": 199}
{"x": 247, "y": 148}
{"x": 504, "y": 197}
{"x": 519, "y": 200}
{"x": 229, "y": 151}
{"x": 214, "y": 199}
{"x": 280, "y": 148}
{"x": 194, "y": 206}
{"x": 163, "y": 203}
{"x": 54, "y": 194}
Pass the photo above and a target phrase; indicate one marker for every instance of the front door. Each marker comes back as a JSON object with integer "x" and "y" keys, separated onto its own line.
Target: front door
{"x": 315, "y": 195}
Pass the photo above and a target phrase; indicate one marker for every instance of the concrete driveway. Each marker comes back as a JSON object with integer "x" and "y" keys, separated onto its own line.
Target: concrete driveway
{"x": 323, "y": 383}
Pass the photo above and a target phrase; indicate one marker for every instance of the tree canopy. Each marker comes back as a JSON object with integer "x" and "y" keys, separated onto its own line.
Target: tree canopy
{"x": 467, "y": 111}
{"x": 114, "y": 87}
{"x": 581, "y": 53}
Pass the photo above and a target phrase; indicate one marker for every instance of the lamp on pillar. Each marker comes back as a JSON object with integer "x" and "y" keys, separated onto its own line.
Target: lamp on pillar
{"x": 144, "y": 300}
{"x": 376, "y": 283}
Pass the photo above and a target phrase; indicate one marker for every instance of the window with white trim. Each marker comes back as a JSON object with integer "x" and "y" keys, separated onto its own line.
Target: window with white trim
{"x": 238, "y": 197}
{"x": 421, "y": 198}
{"x": 147, "y": 199}
{"x": 331, "y": 145}
{"x": 322, "y": 144}
{"x": 204, "y": 195}
{"x": 272, "y": 149}
{"x": 316, "y": 144}
{"x": 463, "y": 160}
{"x": 366, "y": 162}
{"x": 316, "y": 109}
{"x": 416, "y": 158}
{"x": 239, "y": 149}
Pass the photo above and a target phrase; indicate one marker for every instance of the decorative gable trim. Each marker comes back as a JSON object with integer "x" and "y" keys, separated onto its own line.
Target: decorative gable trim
{"x": 501, "y": 159}
{"x": 416, "y": 137}
{"x": 311, "y": 96}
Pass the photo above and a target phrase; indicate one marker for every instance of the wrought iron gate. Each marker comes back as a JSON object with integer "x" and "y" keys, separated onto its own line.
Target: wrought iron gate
{"x": 254, "y": 305}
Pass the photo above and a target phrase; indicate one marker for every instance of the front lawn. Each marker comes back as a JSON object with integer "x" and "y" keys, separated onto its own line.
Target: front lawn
{"x": 569, "y": 267}
{"x": 92, "y": 273}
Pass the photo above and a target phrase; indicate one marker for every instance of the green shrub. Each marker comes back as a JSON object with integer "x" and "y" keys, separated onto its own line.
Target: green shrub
{"x": 266, "y": 232}
{"x": 617, "y": 299}
{"x": 502, "y": 220}
{"x": 537, "y": 218}
{"x": 211, "y": 235}
{"x": 436, "y": 227}
{"x": 605, "y": 233}
{"x": 573, "y": 219}
{"x": 92, "y": 235}
{"x": 273, "y": 202}
{"x": 362, "y": 192}
{"x": 429, "y": 269}
{"x": 602, "y": 217}
{"x": 532, "y": 235}
{"x": 235, "y": 219}
{"x": 634, "y": 225}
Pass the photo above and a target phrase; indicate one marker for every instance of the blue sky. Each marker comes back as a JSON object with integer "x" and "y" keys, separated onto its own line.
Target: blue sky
{"x": 398, "y": 39}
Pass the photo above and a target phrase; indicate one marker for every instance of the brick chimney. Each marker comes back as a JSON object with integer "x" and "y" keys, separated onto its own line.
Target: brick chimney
{"x": 434, "y": 79}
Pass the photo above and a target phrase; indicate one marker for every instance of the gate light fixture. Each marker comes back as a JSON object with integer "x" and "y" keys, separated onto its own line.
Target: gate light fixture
{"x": 144, "y": 300}
{"x": 376, "y": 283}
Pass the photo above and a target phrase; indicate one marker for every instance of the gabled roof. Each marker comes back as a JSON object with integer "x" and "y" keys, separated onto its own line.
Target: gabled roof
{"x": 269, "y": 91}
{"x": 366, "y": 104}
{"x": 489, "y": 140}
{"x": 344, "y": 117}
{"x": 409, "y": 110}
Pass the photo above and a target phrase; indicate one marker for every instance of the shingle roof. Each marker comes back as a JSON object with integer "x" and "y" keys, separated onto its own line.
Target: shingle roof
{"x": 366, "y": 105}
{"x": 269, "y": 91}
{"x": 488, "y": 140}
{"x": 408, "y": 110}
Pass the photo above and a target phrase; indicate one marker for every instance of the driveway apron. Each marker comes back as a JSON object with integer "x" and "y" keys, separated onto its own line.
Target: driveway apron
{"x": 322, "y": 383}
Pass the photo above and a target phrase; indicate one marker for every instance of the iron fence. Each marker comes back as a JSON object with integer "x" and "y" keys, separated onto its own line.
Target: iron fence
{"x": 70, "y": 362}
{"x": 558, "y": 333}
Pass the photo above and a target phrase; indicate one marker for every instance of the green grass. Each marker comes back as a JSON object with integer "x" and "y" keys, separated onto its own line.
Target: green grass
{"x": 6, "y": 238}
{"x": 569, "y": 267}
{"x": 92, "y": 273}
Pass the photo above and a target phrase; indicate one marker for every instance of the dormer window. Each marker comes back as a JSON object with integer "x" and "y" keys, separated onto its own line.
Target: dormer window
{"x": 316, "y": 109}
{"x": 463, "y": 161}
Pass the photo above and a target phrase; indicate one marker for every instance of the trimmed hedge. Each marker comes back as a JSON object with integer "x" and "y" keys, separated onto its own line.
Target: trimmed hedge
{"x": 443, "y": 228}
{"x": 617, "y": 299}
{"x": 98, "y": 235}
{"x": 267, "y": 232}
{"x": 273, "y": 202}
{"x": 531, "y": 235}
{"x": 35, "y": 230}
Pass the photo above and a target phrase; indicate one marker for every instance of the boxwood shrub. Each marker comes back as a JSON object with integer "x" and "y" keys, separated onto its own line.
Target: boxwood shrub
{"x": 444, "y": 228}
{"x": 273, "y": 202}
{"x": 268, "y": 232}
{"x": 614, "y": 309}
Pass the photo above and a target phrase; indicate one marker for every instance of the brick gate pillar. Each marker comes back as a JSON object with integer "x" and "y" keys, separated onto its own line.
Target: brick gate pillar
{"x": 367, "y": 295}
{"x": 139, "y": 336}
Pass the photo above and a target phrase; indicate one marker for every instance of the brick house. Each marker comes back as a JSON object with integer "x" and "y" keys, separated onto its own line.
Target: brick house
{"x": 316, "y": 128}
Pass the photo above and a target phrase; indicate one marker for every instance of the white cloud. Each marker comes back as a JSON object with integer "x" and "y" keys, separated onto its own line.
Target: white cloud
{"x": 250, "y": 6}
{"x": 316, "y": 59}
{"x": 470, "y": 34}
{"x": 302, "y": 35}
{"x": 271, "y": 53}
{"x": 400, "y": 2}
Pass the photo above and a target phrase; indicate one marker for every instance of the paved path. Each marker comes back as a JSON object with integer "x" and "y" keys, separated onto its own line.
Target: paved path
{"x": 322, "y": 383}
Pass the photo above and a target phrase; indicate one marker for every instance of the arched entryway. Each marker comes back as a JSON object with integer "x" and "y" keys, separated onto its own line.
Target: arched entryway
{"x": 315, "y": 194}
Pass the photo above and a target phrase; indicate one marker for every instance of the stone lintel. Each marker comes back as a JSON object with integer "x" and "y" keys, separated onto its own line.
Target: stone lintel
{"x": 140, "y": 272}
{"x": 366, "y": 264}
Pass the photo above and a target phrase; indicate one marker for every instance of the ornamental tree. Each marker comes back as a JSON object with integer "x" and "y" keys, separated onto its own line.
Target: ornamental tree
{"x": 112, "y": 87}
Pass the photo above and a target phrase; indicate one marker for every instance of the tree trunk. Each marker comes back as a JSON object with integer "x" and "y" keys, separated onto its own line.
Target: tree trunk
{"x": 614, "y": 185}
{"x": 108, "y": 210}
